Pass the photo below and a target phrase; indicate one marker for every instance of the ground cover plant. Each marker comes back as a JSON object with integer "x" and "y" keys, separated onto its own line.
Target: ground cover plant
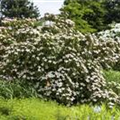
{"x": 62, "y": 63}
{"x": 36, "y": 109}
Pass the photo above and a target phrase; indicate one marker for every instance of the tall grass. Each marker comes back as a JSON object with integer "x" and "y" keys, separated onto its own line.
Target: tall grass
{"x": 16, "y": 89}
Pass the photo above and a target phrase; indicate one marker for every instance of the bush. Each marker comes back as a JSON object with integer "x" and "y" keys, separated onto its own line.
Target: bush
{"x": 9, "y": 33}
{"x": 62, "y": 63}
{"x": 113, "y": 33}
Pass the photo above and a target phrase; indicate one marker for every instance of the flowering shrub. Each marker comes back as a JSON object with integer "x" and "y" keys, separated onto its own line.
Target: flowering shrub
{"x": 113, "y": 33}
{"x": 9, "y": 33}
{"x": 63, "y": 63}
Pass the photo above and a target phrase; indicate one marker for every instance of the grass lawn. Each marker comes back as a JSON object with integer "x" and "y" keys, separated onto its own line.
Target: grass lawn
{"x": 35, "y": 109}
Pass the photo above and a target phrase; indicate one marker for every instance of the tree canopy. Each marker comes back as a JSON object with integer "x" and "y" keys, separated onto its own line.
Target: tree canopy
{"x": 92, "y": 15}
{"x": 113, "y": 10}
{"x": 18, "y": 9}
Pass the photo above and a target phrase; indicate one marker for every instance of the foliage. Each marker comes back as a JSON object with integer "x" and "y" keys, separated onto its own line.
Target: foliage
{"x": 113, "y": 10}
{"x": 16, "y": 89}
{"x": 115, "y": 87}
{"x": 113, "y": 80}
{"x": 112, "y": 76}
{"x": 63, "y": 64}
{"x": 113, "y": 33}
{"x": 71, "y": 11}
{"x": 35, "y": 109}
{"x": 18, "y": 9}
{"x": 90, "y": 12}
{"x": 8, "y": 32}
{"x": 92, "y": 15}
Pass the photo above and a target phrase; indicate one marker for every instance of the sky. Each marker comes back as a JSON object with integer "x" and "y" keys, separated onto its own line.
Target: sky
{"x": 51, "y": 6}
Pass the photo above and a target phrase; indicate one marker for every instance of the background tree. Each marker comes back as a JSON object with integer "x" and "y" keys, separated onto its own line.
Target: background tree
{"x": 0, "y": 13}
{"x": 92, "y": 15}
{"x": 113, "y": 11}
{"x": 75, "y": 11}
{"x": 19, "y": 9}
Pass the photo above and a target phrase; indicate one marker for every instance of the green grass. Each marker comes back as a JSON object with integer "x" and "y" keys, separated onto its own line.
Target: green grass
{"x": 112, "y": 76}
{"x": 36, "y": 109}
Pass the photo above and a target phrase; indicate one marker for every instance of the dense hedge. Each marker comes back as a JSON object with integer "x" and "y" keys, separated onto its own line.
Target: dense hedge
{"x": 64, "y": 64}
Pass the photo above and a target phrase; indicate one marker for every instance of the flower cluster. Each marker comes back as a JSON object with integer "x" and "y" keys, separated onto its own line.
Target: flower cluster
{"x": 114, "y": 32}
{"x": 64, "y": 64}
